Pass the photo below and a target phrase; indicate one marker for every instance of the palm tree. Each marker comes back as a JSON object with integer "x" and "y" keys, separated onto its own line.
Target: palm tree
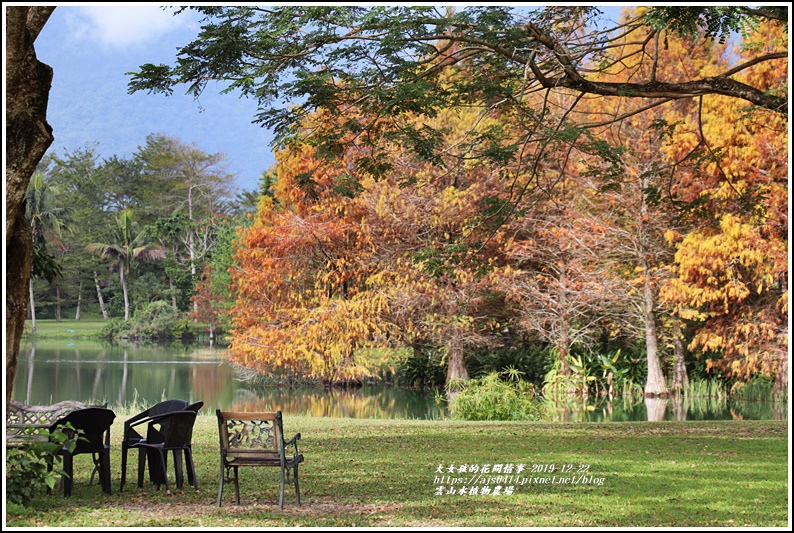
{"x": 47, "y": 222}
{"x": 128, "y": 246}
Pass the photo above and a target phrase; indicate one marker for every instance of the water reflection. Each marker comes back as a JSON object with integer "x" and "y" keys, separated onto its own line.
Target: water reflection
{"x": 89, "y": 371}
{"x": 92, "y": 372}
{"x": 656, "y": 408}
{"x": 676, "y": 408}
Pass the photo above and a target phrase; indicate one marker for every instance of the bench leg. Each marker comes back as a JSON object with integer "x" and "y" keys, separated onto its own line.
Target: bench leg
{"x": 236, "y": 486}
{"x": 281, "y": 490}
{"x": 220, "y": 484}
{"x": 297, "y": 487}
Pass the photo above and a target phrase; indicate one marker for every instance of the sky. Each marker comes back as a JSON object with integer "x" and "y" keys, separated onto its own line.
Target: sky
{"x": 92, "y": 47}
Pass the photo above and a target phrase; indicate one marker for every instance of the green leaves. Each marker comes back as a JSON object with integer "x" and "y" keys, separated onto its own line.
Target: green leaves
{"x": 383, "y": 60}
{"x": 28, "y": 467}
{"x": 715, "y": 22}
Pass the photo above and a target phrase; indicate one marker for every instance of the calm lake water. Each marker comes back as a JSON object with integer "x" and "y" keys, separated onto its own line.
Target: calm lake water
{"x": 53, "y": 371}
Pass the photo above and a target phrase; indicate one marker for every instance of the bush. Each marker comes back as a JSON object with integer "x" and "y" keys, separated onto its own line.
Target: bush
{"x": 157, "y": 320}
{"x": 424, "y": 368}
{"x": 28, "y": 468}
{"x": 492, "y": 398}
{"x": 533, "y": 360}
{"x": 113, "y": 329}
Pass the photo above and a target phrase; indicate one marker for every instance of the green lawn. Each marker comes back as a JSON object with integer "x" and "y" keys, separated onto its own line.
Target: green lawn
{"x": 88, "y": 328}
{"x": 383, "y": 473}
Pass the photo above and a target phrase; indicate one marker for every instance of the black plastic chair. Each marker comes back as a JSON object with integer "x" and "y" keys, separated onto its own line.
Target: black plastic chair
{"x": 168, "y": 432}
{"x": 132, "y": 437}
{"x": 92, "y": 429}
{"x": 195, "y": 407}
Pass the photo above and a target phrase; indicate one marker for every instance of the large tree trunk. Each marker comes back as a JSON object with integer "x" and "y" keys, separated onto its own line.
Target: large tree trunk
{"x": 656, "y": 384}
{"x": 32, "y": 309}
{"x": 680, "y": 376}
{"x": 28, "y": 136}
{"x": 564, "y": 340}
{"x": 456, "y": 364}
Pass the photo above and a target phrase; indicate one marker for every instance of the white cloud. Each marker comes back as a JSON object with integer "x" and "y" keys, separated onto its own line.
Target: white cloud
{"x": 114, "y": 26}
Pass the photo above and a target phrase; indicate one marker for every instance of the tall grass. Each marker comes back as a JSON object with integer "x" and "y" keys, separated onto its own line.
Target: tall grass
{"x": 758, "y": 389}
{"x": 492, "y": 398}
{"x": 706, "y": 388}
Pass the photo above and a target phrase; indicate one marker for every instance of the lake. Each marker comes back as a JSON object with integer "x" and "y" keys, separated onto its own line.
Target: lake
{"x": 53, "y": 371}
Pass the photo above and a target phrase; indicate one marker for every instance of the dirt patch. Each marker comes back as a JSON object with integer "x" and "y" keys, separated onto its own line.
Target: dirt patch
{"x": 178, "y": 509}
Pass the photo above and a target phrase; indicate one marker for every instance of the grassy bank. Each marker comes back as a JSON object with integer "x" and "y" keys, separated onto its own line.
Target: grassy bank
{"x": 88, "y": 328}
{"x": 383, "y": 473}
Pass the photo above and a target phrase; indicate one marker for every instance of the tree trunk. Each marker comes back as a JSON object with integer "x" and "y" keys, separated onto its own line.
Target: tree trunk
{"x": 680, "y": 376}
{"x": 57, "y": 303}
{"x": 99, "y": 297}
{"x": 17, "y": 279}
{"x": 28, "y": 136}
{"x": 781, "y": 379}
{"x": 564, "y": 341}
{"x": 123, "y": 279}
{"x": 192, "y": 247}
{"x": 456, "y": 364}
{"x": 656, "y": 384}
{"x": 32, "y": 308}
{"x": 79, "y": 300}
{"x": 173, "y": 292}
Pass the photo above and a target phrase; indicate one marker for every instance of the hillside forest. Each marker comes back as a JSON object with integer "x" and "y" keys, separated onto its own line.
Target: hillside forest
{"x": 581, "y": 241}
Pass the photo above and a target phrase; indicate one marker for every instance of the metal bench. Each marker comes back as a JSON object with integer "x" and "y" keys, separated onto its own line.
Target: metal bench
{"x": 23, "y": 421}
{"x": 256, "y": 439}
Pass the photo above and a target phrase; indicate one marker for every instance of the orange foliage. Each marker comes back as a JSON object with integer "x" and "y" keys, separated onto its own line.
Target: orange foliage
{"x": 731, "y": 273}
{"x": 322, "y": 276}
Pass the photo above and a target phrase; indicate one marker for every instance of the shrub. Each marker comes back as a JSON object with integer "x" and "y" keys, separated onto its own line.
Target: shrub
{"x": 533, "y": 360}
{"x": 113, "y": 329}
{"x": 157, "y": 320}
{"x": 492, "y": 398}
{"x": 32, "y": 467}
{"x": 423, "y": 368}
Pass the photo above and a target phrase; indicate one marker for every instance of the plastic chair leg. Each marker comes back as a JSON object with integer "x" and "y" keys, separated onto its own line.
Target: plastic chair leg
{"x": 123, "y": 467}
{"x": 68, "y": 469}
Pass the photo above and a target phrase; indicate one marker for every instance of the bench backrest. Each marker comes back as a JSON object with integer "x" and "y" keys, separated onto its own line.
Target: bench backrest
{"x": 250, "y": 435}
{"x": 20, "y": 414}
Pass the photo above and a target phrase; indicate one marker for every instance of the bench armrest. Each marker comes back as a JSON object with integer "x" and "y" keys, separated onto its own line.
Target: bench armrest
{"x": 294, "y": 441}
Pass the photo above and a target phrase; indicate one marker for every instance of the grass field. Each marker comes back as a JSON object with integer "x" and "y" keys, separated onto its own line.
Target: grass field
{"x": 66, "y": 329}
{"x": 382, "y": 473}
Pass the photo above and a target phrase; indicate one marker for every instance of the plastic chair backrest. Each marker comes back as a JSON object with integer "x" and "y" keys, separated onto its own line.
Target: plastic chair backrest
{"x": 177, "y": 428}
{"x": 167, "y": 406}
{"x": 93, "y": 423}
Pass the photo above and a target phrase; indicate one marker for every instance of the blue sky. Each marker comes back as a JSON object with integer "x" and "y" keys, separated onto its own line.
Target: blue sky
{"x": 91, "y": 47}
